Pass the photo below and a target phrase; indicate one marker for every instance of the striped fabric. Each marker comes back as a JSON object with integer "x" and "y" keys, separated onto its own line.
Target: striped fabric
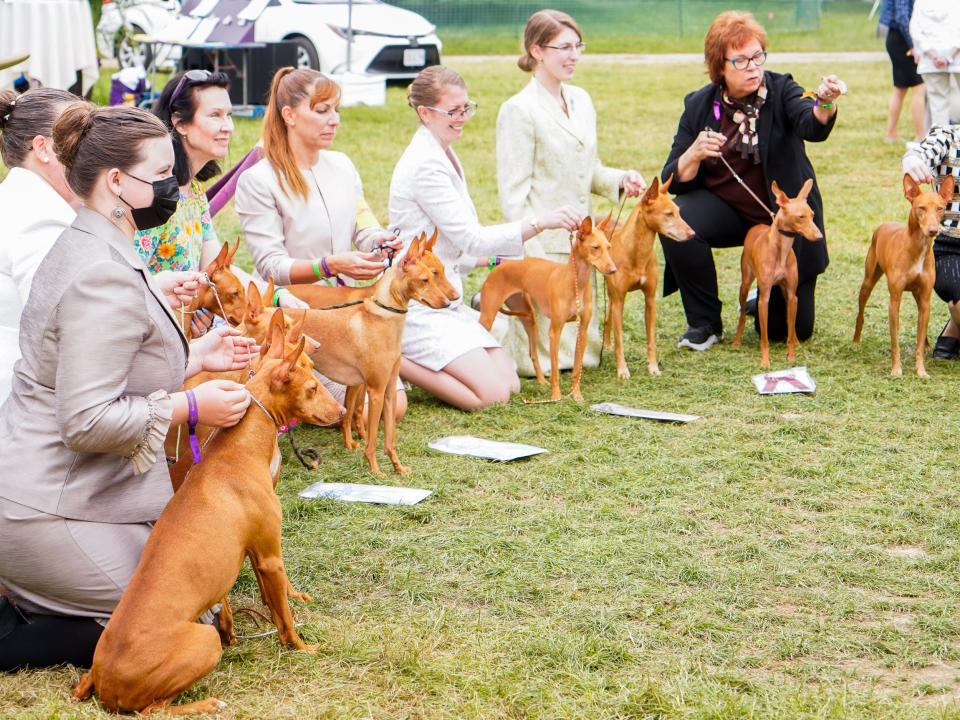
{"x": 941, "y": 151}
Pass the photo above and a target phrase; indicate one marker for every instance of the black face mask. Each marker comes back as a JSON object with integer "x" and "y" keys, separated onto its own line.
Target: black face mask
{"x": 166, "y": 195}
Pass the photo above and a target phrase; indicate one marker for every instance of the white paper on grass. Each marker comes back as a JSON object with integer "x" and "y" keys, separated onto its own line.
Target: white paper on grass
{"x": 253, "y": 10}
{"x": 488, "y": 449}
{"x": 615, "y": 409}
{"x": 378, "y": 494}
{"x": 794, "y": 380}
{"x": 204, "y": 8}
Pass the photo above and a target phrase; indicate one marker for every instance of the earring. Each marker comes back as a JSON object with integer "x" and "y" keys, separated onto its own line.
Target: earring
{"x": 117, "y": 212}
{"x": 45, "y": 159}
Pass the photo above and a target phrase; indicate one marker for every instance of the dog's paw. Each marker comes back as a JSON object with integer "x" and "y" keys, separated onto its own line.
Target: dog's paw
{"x": 301, "y": 596}
{"x": 653, "y": 369}
{"x": 896, "y": 372}
{"x": 624, "y": 373}
{"x": 922, "y": 374}
{"x": 403, "y": 469}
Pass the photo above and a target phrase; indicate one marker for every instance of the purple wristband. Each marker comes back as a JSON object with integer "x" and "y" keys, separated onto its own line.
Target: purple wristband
{"x": 193, "y": 418}
{"x": 326, "y": 268}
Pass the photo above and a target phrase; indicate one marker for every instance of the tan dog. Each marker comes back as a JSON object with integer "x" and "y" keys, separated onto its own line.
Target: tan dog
{"x": 904, "y": 254}
{"x": 768, "y": 256}
{"x": 361, "y": 346}
{"x": 632, "y": 249}
{"x": 152, "y": 648}
{"x": 225, "y": 284}
{"x": 561, "y": 291}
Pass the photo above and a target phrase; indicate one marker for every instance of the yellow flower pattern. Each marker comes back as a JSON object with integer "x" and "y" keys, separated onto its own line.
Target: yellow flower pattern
{"x": 176, "y": 244}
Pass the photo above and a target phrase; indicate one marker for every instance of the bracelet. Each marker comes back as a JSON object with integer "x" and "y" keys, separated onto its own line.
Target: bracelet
{"x": 326, "y": 268}
{"x": 821, "y": 104}
{"x": 316, "y": 269}
{"x": 276, "y": 296}
{"x": 193, "y": 418}
{"x": 493, "y": 261}
{"x": 536, "y": 226}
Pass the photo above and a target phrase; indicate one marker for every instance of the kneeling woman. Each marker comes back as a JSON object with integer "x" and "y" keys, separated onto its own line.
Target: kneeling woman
{"x": 447, "y": 352}
{"x": 84, "y": 477}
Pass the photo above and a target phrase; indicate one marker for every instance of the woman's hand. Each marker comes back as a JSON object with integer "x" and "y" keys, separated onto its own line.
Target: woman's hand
{"x": 914, "y": 166}
{"x": 356, "y": 265}
{"x": 632, "y": 183}
{"x": 831, "y": 87}
{"x": 179, "y": 288}
{"x": 706, "y": 145}
{"x": 201, "y": 322}
{"x": 563, "y": 218}
{"x": 289, "y": 301}
{"x": 386, "y": 243}
{"x": 221, "y": 403}
{"x": 224, "y": 349}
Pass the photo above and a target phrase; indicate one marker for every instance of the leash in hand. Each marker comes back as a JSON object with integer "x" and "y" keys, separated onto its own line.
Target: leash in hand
{"x": 743, "y": 184}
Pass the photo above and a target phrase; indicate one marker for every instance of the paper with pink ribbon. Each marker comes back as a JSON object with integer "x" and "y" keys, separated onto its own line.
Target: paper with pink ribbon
{"x": 794, "y": 380}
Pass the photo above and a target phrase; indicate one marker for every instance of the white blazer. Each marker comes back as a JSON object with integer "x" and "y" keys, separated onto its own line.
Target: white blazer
{"x": 546, "y": 159}
{"x": 935, "y": 25}
{"x": 34, "y": 215}
{"x": 428, "y": 192}
{"x": 280, "y": 228}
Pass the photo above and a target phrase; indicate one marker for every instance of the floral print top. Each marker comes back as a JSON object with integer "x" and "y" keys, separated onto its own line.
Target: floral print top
{"x": 176, "y": 244}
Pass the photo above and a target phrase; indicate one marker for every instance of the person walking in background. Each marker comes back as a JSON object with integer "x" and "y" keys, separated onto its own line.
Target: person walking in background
{"x": 935, "y": 29}
{"x": 895, "y": 15}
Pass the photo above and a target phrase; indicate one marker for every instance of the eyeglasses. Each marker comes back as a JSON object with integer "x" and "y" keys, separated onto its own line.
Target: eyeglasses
{"x": 194, "y": 76}
{"x": 462, "y": 113}
{"x": 742, "y": 63}
{"x": 568, "y": 48}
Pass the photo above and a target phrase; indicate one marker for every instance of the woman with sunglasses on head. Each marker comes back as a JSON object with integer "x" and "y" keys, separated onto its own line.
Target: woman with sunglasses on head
{"x": 84, "y": 475}
{"x": 302, "y": 207}
{"x": 547, "y": 154}
{"x": 754, "y": 122}
{"x": 447, "y": 352}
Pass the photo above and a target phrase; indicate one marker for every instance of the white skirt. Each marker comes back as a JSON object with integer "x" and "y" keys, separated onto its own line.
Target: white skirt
{"x": 435, "y": 338}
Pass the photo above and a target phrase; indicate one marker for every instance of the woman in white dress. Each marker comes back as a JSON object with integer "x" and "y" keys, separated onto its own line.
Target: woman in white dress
{"x": 447, "y": 352}
{"x": 547, "y": 154}
{"x": 36, "y": 205}
{"x": 302, "y": 207}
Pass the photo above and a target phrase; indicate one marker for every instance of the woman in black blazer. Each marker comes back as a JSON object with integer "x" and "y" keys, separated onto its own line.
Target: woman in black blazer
{"x": 758, "y": 121}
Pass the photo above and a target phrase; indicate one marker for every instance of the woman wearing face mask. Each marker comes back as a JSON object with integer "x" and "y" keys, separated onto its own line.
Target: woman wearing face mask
{"x": 94, "y": 394}
{"x": 447, "y": 352}
{"x": 302, "y": 207}
{"x": 547, "y": 154}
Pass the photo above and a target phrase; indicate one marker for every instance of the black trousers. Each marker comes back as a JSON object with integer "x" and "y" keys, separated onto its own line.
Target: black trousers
{"x": 690, "y": 268}
{"x": 39, "y": 641}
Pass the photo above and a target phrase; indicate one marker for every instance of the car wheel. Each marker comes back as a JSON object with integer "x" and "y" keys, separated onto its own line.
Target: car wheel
{"x": 132, "y": 54}
{"x": 307, "y": 57}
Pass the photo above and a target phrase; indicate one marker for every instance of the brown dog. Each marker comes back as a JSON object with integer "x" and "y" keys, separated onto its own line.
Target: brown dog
{"x": 361, "y": 346}
{"x": 632, "y": 249}
{"x": 152, "y": 648}
{"x": 768, "y": 256}
{"x": 225, "y": 285}
{"x": 904, "y": 254}
{"x": 561, "y": 291}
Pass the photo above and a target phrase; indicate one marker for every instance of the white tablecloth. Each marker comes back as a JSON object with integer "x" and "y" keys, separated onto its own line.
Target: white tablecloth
{"x": 58, "y": 34}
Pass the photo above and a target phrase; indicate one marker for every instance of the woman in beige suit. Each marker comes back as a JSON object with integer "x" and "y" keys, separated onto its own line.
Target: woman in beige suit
{"x": 302, "y": 207}
{"x": 547, "y": 154}
{"x": 84, "y": 477}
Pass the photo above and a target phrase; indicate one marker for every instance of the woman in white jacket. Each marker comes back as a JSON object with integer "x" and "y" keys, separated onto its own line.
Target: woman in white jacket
{"x": 36, "y": 205}
{"x": 447, "y": 352}
{"x": 935, "y": 29}
{"x": 547, "y": 153}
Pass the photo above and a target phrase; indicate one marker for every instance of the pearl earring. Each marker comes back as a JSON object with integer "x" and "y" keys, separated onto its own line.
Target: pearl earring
{"x": 45, "y": 159}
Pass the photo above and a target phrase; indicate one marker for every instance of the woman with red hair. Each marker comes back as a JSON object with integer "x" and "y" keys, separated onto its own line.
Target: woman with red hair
{"x": 754, "y": 122}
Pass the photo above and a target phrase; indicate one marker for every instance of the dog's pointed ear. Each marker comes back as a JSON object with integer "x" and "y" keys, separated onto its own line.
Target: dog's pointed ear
{"x": 254, "y": 302}
{"x": 654, "y": 190}
{"x": 586, "y": 226}
{"x": 604, "y": 225}
{"x": 433, "y": 240}
{"x": 273, "y": 345}
{"x": 282, "y": 373}
{"x": 805, "y": 190}
{"x": 296, "y": 327}
{"x": 779, "y": 194}
{"x": 666, "y": 185}
{"x": 267, "y": 297}
{"x": 910, "y": 188}
{"x": 947, "y": 187}
{"x": 414, "y": 252}
{"x": 232, "y": 252}
{"x": 220, "y": 261}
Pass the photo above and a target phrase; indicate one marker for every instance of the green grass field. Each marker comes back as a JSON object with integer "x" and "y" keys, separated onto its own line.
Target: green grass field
{"x": 783, "y": 557}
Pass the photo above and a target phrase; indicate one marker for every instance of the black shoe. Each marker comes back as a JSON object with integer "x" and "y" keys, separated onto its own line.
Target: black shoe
{"x": 700, "y": 338}
{"x": 475, "y": 301}
{"x": 946, "y": 348}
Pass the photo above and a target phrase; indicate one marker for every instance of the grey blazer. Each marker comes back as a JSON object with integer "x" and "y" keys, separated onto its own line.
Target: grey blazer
{"x": 96, "y": 338}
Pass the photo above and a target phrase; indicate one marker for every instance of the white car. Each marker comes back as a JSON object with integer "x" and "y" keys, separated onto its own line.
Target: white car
{"x": 120, "y": 20}
{"x": 387, "y": 40}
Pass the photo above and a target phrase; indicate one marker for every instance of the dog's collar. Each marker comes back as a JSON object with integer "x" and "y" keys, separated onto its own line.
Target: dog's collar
{"x": 788, "y": 233}
{"x": 398, "y": 311}
{"x": 264, "y": 408}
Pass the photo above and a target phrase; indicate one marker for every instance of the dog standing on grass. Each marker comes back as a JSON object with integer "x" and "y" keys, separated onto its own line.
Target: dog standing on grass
{"x": 904, "y": 254}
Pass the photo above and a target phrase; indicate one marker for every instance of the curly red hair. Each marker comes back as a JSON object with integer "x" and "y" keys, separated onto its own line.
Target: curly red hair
{"x": 728, "y": 30}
